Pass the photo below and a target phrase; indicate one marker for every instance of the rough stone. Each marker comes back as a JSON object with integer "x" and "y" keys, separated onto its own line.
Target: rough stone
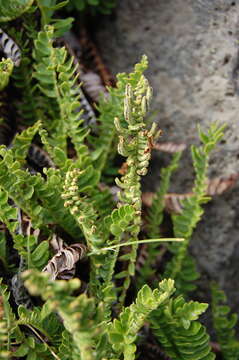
{"x": 193, "y": 54}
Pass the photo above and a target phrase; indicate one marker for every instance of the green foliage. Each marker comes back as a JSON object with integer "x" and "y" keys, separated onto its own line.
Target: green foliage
{"x": 123, "y": 331}
{"x": 67, "y": 204}
{"x": 11, "y": 9}
{"x": 57, "y": 81}
{"x": 181, "y": 337}
{"x": 224, "y": 324}
{"x": 182, "y": 266}
{"x": 155, "y": 218}
{"x": 47, "y": 9}
{"x": 6, "y": 67}
{"x": 110, "y": 108}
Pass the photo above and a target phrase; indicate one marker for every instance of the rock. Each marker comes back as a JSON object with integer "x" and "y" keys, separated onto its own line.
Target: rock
{"x": 192, "y": 48}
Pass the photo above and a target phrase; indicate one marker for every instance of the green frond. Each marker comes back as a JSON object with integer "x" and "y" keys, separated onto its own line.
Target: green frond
{"x": 47, "y": 9}
{"x": 155, "y": 213}
{"x": 179, "y": 335}
{"x": 123, "y": 331}
{"x": 224, "y": 323}
{"x": 57, "y": 80}
{"x": 48, "y": 325}
{"x": 67, "y": 351}
{"x": 11, "y": 9}
{"x": 6, "y": 68}
{"x": 182, "y": 268}
{"x": 33, "y": 350}
{"x": 117, "y": 223}
{"x": 22, "y": 141}
{"x": 155, "y": 218}
{"x": 27, "y": 191}
{"x": 79, "y": 313}
{"x": 78, "y": 198}
{"x": 8, "y": 214}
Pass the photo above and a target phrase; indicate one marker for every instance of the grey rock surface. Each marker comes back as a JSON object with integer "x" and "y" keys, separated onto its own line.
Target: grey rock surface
{"x": 193, "y": 51}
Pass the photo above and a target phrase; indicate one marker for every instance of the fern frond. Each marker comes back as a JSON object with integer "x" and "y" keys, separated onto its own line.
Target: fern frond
{"x": 155, "y": 218}
{"x": 135, "y": 144}
{"x": 182, "y": 267}
{"x": 46, "y": 323}
{"x": 78, "y": 198}
{"x": 67, "y": 351}
{"x": 79, "y": 314}
{"x": 11, "y": 9}
{"x": 47, "y": 9}
{"x": 179, "y": 335}
{"x": 224, "y": 323}
{"x": 21, "y": 142}
{"x": 123, "y": 331}
{"x": 27, "y": 191}
{"x": 57, "y": 81}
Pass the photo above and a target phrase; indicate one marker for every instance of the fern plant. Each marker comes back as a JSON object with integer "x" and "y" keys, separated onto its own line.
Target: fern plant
{"x": 55, "y": 303}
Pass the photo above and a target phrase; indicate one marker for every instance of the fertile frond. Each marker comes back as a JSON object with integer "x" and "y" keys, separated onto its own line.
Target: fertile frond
{"x": 179, "y": 335}
{"x": 135, "y": 143}
{"x": 224, "y": 324}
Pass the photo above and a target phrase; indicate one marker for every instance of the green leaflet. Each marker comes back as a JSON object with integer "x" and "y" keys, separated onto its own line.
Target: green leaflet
{"x": 11, "y": 9}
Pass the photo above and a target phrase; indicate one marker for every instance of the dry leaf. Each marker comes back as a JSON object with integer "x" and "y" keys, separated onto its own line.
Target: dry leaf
{"x": 216, "y": 186}
{"x": 169, "y": 147}
{"x": 39, "y": 157}
{"x": 63, "y": 264}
